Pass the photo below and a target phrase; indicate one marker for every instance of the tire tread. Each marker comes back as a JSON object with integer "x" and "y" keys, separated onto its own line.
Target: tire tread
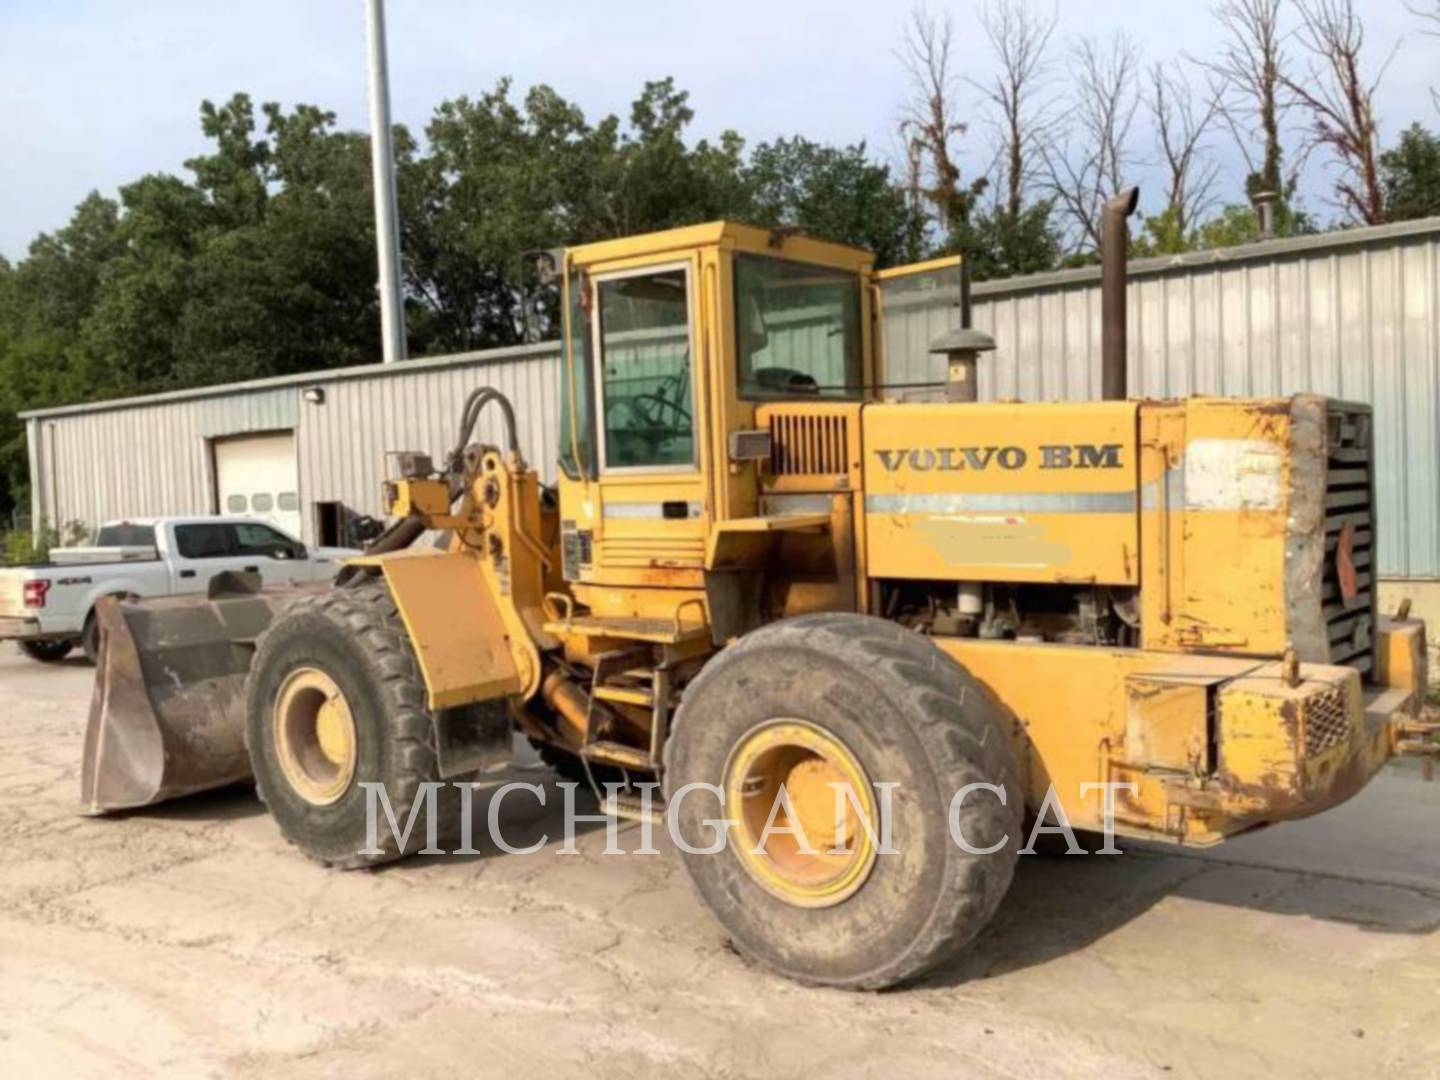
{"x": 369, "y": 614}
{"x": 949, "y": 713}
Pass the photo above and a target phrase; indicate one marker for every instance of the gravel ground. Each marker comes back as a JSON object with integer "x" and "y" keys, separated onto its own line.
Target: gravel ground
{"x": 190, "y": 940}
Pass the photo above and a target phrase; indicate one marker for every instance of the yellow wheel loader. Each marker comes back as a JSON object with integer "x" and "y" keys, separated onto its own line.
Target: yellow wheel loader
{"x": 857, "y": 631}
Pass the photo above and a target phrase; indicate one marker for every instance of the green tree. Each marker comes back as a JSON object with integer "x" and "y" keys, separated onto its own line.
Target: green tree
{"x": 835, "y": 193}
{"x": 1163, "y": 234}
{"x": 44, "y": 303}
{"x": 1001, "y": 244}
{"x": 293, "y": 288}
{"x": 1410, "y": 175}
{"x": 260, "y": 260}
{"x": 263, "y": 265}
{"x": 1237, "y": 224}
{"x": 501, "y": 179}
{"x": 658, "y": 182}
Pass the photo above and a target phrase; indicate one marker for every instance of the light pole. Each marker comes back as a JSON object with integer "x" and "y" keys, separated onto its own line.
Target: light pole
{"x": 387, "y": 217}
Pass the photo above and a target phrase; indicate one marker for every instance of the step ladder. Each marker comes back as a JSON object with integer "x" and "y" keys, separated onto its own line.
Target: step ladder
{"x": 629, "y": 676}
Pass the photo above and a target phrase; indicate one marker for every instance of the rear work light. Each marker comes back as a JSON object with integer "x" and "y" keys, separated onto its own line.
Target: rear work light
{"x": 34, "y": 593}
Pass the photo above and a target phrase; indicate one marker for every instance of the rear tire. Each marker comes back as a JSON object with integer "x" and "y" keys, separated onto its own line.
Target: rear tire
{"x": 47, "y": 652}
{"x": 352, "y": 639}
{"x": 898, "y": 710}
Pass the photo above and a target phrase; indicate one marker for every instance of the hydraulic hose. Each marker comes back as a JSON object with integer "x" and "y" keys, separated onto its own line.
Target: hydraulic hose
{"x": 401, "y": 534}
{"x": 470, "y": 416}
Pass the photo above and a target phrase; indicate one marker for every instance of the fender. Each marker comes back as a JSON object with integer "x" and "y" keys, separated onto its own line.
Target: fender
{"x": 468, "y": 650}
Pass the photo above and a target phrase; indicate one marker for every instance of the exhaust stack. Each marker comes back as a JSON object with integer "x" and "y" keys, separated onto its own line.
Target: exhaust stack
{"x": 1114, "y": 252}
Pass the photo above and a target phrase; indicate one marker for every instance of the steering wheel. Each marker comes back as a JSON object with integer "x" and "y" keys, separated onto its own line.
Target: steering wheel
{"x": 656, "y": 410}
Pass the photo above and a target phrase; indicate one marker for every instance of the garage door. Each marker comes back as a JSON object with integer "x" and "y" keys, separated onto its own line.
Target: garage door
{"x": 259, "y": 476}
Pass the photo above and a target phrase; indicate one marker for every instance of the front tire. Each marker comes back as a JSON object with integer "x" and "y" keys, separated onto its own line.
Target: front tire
{"x": 335, "y": 700}
{"x": 823, "y": 698}
{"x": 47, "y": 652}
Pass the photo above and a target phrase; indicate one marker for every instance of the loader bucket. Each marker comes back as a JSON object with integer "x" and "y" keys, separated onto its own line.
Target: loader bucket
{"x": 168, "y": 714}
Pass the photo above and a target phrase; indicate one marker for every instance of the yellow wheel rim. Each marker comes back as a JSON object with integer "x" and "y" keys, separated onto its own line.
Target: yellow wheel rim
{"x": 315, "y": 738}
{"x": 806, "y": 760}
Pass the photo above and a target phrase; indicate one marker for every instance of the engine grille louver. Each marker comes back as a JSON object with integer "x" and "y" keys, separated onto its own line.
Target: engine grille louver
{"x": 808, "y": 445}
{"x": 1349, "y": 501}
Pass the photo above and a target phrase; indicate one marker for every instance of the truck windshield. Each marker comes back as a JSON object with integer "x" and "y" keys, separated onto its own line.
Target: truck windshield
{"x": 126, "y": 535}
{"x": 797, "y": 330}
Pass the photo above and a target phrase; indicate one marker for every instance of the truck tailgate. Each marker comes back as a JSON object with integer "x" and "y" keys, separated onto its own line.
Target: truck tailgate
{"x": 12, "y": 596}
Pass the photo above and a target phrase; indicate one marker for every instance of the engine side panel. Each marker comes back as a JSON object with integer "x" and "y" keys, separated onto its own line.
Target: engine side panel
{"x": 1043, "y": 492}
{"x": 1232, "y": 496}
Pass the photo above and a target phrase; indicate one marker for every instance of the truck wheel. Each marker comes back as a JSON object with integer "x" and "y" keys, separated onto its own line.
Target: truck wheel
{"x": 335, "y": 699}
{"x": 845, "y": 699}
{"x": 47, "y": 652}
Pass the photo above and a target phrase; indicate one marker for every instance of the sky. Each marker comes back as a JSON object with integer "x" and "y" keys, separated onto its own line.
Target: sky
{"x": 95, "y": 94}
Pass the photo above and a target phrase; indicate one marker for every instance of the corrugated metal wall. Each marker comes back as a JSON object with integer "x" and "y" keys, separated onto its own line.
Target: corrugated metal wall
{"x": 1353, "y": 314}
{"x": 145, "y": 460}
{"x": 153, "y": 458}
{"x": 416, "y": 406}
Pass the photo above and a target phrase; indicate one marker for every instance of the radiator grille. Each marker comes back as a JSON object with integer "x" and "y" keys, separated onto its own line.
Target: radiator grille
{"x": 1349, "y": 512}
{"x": 809, "y": 445}
{"x": 1327, "y": 722}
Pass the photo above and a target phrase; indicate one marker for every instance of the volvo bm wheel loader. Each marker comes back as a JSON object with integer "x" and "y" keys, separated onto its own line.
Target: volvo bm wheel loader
{"x": 757, "y": 574}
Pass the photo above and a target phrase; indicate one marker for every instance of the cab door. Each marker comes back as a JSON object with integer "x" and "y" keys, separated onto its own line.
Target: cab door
{"x": 278, "y": 559}
{"x": 200, "y": 550}
{"x": 653, "y": 511}
{"x": 918, "y": 303}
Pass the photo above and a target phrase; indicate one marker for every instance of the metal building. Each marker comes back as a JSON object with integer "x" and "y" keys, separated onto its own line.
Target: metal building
{"x": 1354, "y": 314}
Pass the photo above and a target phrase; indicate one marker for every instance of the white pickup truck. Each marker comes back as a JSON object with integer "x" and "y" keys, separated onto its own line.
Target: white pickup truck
{"x": 48, "y": 608}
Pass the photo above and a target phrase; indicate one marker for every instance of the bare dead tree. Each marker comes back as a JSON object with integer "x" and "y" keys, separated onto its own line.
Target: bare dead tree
{"x": 1088, "y": 161}
{"x": 1250, "y": 65}
{"x": 1340, "y": 103}
{"x": 930, "y": 127}
{"x": 1431, "y": 17}
{"x": 1019, "y": 36}
{"x": 1182, "y": 123}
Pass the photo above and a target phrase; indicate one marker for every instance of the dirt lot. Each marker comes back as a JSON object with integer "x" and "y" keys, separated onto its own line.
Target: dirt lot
{"x": 191, "y": 941}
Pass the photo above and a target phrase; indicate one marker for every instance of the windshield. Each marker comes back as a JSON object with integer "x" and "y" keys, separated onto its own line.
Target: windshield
{"x": 797, "y": 330}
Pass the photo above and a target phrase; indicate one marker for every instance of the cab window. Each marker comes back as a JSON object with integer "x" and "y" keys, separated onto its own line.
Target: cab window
{"x": 207, "y": 541}
{"x": 646, "y": 391}
{"x": 126, "y": 535}
{"x": 797, "y": 330}
{"x": 577, "y": 431}
{"x": 261, "y": 540}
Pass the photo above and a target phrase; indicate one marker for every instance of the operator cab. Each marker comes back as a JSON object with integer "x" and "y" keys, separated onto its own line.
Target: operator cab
{"x": 678, "y": 346}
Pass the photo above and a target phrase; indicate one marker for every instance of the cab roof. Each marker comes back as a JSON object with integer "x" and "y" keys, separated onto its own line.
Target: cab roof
{"x": 731, "y": 235}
